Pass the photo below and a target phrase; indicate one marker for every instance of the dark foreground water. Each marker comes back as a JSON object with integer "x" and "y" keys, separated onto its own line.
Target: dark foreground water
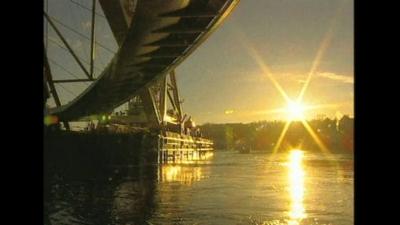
{"x": 296, "y": 187}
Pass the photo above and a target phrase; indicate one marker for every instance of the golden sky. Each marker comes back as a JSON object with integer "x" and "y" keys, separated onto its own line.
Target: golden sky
{"x": 224, "y": 80}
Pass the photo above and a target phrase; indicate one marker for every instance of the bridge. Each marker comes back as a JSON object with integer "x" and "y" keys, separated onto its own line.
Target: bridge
{"x": 154, "y": 37}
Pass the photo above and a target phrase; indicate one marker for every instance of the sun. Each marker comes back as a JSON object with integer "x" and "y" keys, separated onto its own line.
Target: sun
{"x": 295, "y": 110}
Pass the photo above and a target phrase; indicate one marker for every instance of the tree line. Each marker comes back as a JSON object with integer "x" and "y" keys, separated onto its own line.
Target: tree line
{"x": 335, "y": 134}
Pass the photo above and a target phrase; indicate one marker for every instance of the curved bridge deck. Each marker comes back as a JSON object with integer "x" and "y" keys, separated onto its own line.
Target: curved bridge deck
{"x": 157, "y": 37}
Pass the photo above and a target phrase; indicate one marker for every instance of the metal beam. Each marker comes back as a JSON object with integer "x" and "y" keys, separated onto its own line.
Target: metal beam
{"x": 72, "y": 80}
{"x": 87, "y": 8}
{"x": 171, "y": 100}
{"x": 146, "y": 19}
{"x": 163, "y": 103}
{"x": 170, "y": 43}
{"x": 157, "y": 55}
{"x": 113, "y": 11}
{"x": 67, "y": 45}
{"x": 175, "y": 94}
{"x": 49, "y": 79}
{"x": 150, "y": 107}
{"x": 146, "y": 65}
{"x": 191, "y": 13}
{"x": 82, "y": 35}
{"x": 92, "y": 46}
{"x": 180, "y": 29}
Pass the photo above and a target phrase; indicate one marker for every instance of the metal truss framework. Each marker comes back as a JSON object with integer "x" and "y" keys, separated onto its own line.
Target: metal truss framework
{"x": 153, "y": 38}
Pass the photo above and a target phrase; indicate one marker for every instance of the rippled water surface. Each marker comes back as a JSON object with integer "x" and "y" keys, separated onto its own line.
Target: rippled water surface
{"x": 295, "y": 187}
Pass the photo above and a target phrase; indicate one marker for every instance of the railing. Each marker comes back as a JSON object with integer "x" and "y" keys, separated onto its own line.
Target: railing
{"x": 172, "y": 146}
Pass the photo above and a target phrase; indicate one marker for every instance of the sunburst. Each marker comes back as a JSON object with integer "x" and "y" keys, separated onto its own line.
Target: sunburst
{"x": 295, "y": 109}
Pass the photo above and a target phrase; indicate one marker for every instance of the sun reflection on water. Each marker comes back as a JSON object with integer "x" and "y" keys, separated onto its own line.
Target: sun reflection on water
{"x": 194, "y": 158}
{"x": 296, "y": 187}
{"x": 180, "y": 173}
{"x": 185, "y": 170}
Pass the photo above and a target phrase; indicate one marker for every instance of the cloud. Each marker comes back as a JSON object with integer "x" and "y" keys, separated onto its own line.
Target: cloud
{"x": 291, "y": 78}
{"x": 258, "y": 76}
{"x": 336, "y": 77}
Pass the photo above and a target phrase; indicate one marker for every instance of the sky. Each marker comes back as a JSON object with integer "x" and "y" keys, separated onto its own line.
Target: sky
{"x": 229, "y": 78}
{"x": 221, "y": 82}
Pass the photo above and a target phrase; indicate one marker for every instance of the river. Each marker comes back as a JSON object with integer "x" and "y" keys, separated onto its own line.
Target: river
{"x": 293, "y": 187}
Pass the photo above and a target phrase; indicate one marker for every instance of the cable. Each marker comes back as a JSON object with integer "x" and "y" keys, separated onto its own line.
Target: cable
{"x": 76, "y": 19}
{"x": 70, "y": 73}
{"x": 84, "y": 7}
{"x": 70, "y": 92}
{"x": 63, "y": 68}
{"x": 65, "y": 49}
{"x": 80, "y": 34}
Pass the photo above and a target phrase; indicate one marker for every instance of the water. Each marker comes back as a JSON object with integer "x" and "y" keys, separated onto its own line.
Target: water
{"x": 296, "y": 187}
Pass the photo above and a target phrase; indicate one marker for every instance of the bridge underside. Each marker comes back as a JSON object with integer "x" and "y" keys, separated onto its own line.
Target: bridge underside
{"x": 154, "y": 37}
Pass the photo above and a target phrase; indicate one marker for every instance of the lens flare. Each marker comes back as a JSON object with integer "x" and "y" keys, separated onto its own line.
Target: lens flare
{"x": 50, "y": 119}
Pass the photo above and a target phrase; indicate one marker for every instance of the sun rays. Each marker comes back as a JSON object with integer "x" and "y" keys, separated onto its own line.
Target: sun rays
{"x": 295, "y": 108}
{"x": 321, "y": 50}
